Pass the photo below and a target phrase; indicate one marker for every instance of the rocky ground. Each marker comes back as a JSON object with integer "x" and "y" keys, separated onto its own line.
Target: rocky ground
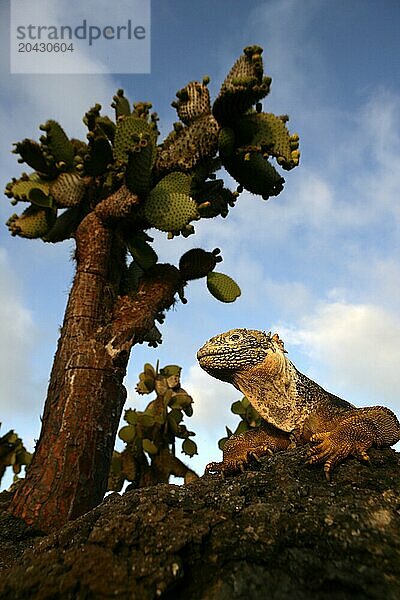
{"x": 279, "y": 531}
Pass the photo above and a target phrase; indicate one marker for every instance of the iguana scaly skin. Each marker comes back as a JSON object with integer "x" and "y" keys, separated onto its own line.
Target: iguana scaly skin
{"x": 295, "y": 409}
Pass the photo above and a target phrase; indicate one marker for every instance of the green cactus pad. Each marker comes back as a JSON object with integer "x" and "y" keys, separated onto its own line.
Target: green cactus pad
{"x": 189, "y": 447}
{"x": 193, "y": 102}
{"x": 121, "y": 105}
{"x": 153, "y": 337}
{"x": 80, "y": 148}
{"x": 256, "y": 174}
{"x": 65, "y": 225}
{"x": 68, "y": 190}
{"x": 197, "y": 263}
{"x": 35, "y": 222}
{"x": 145, "y": 419}
{"x": 142, "y": 252}
{"x": 184, "y": 149}
{"x": 270, "y": 133}
{"x": 30, "y": 189}
{"x": 226, "y": 142}
{"x": 127, "y": 434}
{"x": 146, "y": 384}
{"x": 169, "y": 212}
{"x": 138, "y": 174}
{"x": 175, "y": 182}
{"x": 58, "y": 143}
{"x": 180, "y": 400}
{"x": 169, "y": 206}
{"x": 223, "y": 287}
{"x": 238, "y": 409}
{"x": 243, "y": 87}
{"x": 149, "y": 446}
{"x": 31, "y": 152}
{"x": 217, "y": 204}
{"x": 170, "y": 370}
{"x": 99, "y": 156}
{"x": 132, "y": 134}
{"x": 107, "y": 126}
{"x": 212, "y": 198}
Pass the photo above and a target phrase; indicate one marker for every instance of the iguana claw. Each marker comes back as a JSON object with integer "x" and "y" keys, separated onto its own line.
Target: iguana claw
{"x": 331, "y": 448}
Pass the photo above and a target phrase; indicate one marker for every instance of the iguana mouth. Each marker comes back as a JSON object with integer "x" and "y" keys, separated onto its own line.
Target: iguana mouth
{"x": 203, "y": 355}
{"x": 204, "y": 352}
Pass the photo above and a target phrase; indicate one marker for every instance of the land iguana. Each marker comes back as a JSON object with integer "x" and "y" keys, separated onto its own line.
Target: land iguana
{"x": 294, "y": 409}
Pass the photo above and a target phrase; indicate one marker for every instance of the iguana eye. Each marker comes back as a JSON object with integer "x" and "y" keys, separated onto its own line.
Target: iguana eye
{"x": 235, "y": 337}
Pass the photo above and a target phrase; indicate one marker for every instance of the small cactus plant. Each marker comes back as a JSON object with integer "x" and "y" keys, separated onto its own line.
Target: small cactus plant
{"x": 150, "y": 435}
{"x": 13, "y": 454}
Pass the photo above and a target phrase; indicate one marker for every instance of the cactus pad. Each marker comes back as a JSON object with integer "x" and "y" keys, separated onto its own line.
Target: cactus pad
{"x": 189, "y": 447}
{"x": 28, "y": 189}
{"x": 34, "y": 222}
{"x": 31, "y": 152}
{"x": 243, "y": 87}
{"x": 193, "y": 102}
{"x": 183, "y": 149}
{"x": 57, "y": 143}
{"x": 120, "y": 104}
{"x": 138, "y": 172}
{"x": 169, "y": 212}
{"x": 256, "y": 174}
{"x": 175, "y": 182}
{"x": 269, "y": 133}
{"x": 107, "y": 126}
{"x": 99, "y": 156}
{"x": 222, "y": 287}
{"x": 132, "y": 134}
{"x": 65, "y": 225}
{"x": 68, "y": 190}
{"x": 142, "y": 252}
{"x": 198, "y": 263}
{"x": 226, "y": 142}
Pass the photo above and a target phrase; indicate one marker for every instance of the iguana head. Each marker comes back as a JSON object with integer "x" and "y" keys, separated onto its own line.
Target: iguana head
{"x": 240, "y": 350}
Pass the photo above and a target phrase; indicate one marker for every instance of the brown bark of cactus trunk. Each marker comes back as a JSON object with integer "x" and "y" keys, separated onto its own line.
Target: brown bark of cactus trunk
{"x": 69, "y": 471}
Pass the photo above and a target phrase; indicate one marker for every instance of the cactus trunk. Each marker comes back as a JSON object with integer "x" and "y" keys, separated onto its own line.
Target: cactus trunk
{"x": 69, "y": 471}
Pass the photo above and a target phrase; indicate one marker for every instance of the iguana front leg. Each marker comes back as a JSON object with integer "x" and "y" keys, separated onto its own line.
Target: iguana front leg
{"x": 251, "y": 444}
{"x": 356, "y": 432}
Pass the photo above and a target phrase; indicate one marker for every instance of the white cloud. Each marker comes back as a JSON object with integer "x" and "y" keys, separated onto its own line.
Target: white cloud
{"x": 378, "y": 178}
{"x": 18, "y": 335}
{"x": 213, "y": 399}
{"x": 354, "y": 348}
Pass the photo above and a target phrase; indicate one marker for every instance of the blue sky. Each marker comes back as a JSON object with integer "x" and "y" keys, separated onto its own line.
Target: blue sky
{"x": 319, "y": 263}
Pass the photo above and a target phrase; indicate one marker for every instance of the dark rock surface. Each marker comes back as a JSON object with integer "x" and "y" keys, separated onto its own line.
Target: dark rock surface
{"x": 279, "y": 531}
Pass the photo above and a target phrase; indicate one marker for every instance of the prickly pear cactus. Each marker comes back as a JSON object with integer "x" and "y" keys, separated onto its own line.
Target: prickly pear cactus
{"x": 244, "y": 85}
{"x": 13, "y": 454}
{"x": 150, "y": 435}
{"x": 197, "y": 263}
{"x": 35, "y": 222}
{"x": 67, "y": 190}
{"x": 223, "y": 287}
{"x": 148, "y": 184}
{"x": 56, "y": 145}
{"x": 193, "y": 101}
